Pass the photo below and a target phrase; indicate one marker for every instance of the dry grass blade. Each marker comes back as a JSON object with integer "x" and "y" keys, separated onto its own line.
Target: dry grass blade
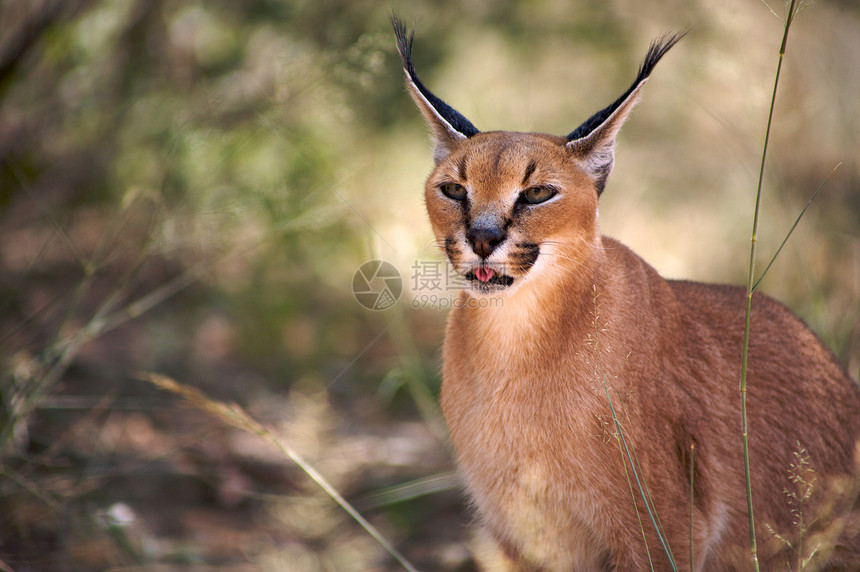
{"x": 232, "y": 414}
{"x": 417, "y": 488}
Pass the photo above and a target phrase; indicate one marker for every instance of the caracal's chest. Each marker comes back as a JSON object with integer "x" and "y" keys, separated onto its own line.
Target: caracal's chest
{"x": 524, "y": 440}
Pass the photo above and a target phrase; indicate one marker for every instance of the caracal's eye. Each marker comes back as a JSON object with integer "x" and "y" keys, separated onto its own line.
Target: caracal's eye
{"x": 535, "y": 195}
{"x": 453, "y": 191}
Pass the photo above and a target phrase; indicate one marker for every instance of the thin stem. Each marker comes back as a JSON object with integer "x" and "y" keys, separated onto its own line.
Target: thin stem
{"x": 638, "y": 512}
{"x": 235, "y": 416}
{"x": 791, "y": 230}
{"x": 692, "y": 482}
{"x": 627, "y": 448}
{"x": 750, "y": 289}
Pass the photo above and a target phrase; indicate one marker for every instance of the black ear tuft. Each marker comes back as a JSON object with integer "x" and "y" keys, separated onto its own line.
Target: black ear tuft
{"x": 448, "y": 114}
{"x": 656, "y": 51}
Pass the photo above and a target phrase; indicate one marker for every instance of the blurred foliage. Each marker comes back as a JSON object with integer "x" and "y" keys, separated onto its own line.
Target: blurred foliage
{"x": 188, "y": 187}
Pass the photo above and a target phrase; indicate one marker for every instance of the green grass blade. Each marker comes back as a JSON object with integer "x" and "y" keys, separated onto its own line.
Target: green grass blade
{"x": 633, "y": 498}
{"x": 630, "y": 456}
{"x": 692, "y": 482}
{"x": 750, "y": 288}
{"x": 791, "y": 230}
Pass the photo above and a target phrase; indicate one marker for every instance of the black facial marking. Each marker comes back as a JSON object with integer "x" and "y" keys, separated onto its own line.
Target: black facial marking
{"x": 526, "y": 255}
{"x": 497, "y": 160}
{"x": 461, "y": 169}
{"x": 529, "y": 172}
{"x": 520, "y": 208}
{"x": 449, "y": 247}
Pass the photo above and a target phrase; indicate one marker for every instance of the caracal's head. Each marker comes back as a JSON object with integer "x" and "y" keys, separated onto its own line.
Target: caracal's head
{"x": 509, "y": 207}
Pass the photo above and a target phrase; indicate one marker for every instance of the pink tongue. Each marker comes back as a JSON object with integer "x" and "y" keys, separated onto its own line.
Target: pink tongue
{"x": 484, "y": 274}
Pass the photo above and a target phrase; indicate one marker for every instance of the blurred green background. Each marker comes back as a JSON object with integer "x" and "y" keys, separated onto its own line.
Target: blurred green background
{"x": 189, "y": 187}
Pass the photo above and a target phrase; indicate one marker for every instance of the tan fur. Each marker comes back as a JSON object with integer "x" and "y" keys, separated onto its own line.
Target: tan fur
{"x": 527, "y": 383}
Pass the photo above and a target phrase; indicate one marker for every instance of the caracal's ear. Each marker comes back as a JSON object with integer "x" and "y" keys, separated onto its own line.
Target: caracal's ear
{"x": 593, "y": 142}
{"x": 447, "y": 125}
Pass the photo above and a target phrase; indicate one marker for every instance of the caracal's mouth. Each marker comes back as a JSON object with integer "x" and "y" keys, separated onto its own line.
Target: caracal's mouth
{"x": 485, "y": 279}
